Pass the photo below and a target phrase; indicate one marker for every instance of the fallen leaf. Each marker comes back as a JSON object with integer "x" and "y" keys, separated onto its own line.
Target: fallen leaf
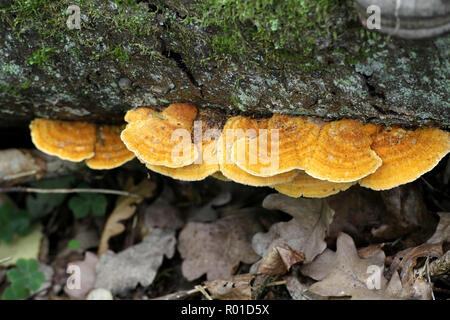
{"x": 442, "y": 232}
{"x": 86, "y": 277}
{"x": 406, "y": 216}
{"x": 17, "y": 165}
{"x": 405, "y": 263}
{"x": 125, "y": 209}
{"x": 26, "y": 247}
{"x": 350, "y": 274}
{"x": 235, "y": 288}
{"x": 321, "y": 266}
{"x": 137, "y": 264}
{"x": 358, "y": 210}
{"x": 162, "y": 214}
{"x": 298, "y": 286}
{"x": 208, "y": 211}
{"x": 217, "y": 248}
{"x": 279, "y": 259}
{"x": 392, "y": 214}
{"x": 304, "y": 234}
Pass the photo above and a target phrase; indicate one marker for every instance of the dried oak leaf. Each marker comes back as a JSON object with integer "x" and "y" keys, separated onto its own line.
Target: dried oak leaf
{"x": 162, "y": 214}
{"x": 217, "y": 248}
{"x": 279, "y": 259}
{"x": 137, "y": 264}
{"x": 349, "y": 275}
{"x": 235, "y": 288}
{"x": 304, "y": 234}
{"x": 125, "y": 209}
{"x": 442, "y": 232}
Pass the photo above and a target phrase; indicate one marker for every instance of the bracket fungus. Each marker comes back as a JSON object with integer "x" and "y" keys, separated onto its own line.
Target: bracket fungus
{"x": 150, "y": 135}
{"x": 307, "y": 186}
{"x": 406, "y": 155}
{"x": 283, "y": 145}
{"x": 297, "y": 156}
{"x": 205, "y": 165}
{"x": 236, "y": 128}
{"x": 342, "y": 152}
{"x": 72, "y": 141}
{"x": 110, "y": 152}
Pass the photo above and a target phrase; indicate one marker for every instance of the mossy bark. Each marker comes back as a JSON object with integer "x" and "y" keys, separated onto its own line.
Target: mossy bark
{"x": 156, "y": 53}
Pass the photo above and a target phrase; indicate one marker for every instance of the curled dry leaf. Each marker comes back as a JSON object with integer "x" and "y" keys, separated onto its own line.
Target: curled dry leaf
{"x": 279, "y": 259}
{"x": 406, "y": 261}
{"x": 235, "y": 288}
{"x": 304, "y": 234}
{"x": 137, "y": 264}
{"x": 442, "y": 232}
{"x": 87, "y": 278}
{"x": 217, "y": 248}
{"x": 125, "y": 209}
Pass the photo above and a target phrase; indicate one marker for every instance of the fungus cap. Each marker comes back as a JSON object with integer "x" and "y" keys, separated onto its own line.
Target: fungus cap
{"x": 163, "y": 139}
{"x": 307, "y": 186}
{"x": 234, "y": 129}
{"x": 406, "y": 155}
{"x": 283, "y": 147}
{"x": 342, "y": 152}
{"x": 142, "y": 113}
{"x": 67, "y": 140}
{"x": 110, "y": 151}
{"x": 195, "y": 171}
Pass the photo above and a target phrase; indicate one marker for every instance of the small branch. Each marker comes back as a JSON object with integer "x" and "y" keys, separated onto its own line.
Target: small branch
{"x": 276, "y": 283}
{"x": 203, "y": 291}
{"x": 76, "y": 190}
{"x": 3, "y": 260}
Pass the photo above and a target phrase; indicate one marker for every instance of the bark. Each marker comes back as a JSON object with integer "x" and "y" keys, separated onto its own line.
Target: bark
{"x": 114, "y": 63}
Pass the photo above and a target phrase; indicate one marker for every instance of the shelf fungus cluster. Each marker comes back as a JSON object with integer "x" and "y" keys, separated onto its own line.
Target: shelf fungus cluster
{"x": 297, "y": 156}
{"x": 100, "y": 146}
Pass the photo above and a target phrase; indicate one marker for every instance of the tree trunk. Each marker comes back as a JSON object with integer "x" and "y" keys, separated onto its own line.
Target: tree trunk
{"x": 159, "y": 52}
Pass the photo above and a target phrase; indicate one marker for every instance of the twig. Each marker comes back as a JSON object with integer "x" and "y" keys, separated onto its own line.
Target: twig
{"x": 276, "y": 283}
{"x": 3, "y": 260}
{"x": 203, "y": 291}
{"x": 178, "y": 295}
{"x": 76, "y": 190}
{"x": 19, "y": 175}
{"x": 428, "y": 277}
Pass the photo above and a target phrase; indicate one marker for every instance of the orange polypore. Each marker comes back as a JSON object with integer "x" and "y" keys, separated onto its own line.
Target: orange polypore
{"x": 307, "y": 186}
{"x": 67, "y": 140}
{"x": 406, "y": 155}
{"x": 342, "y": 152}
{"x": 110, "y": 151}
{"x": 162, "y": 139}
{"x": 284, "y": 146}
{"x": 235, "y": 129}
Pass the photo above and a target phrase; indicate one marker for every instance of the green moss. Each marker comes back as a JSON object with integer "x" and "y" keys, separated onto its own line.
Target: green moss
{"x": 120, "y": 54}
{"x": 41, "y": 57}
{"x": 290, "y": 25}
